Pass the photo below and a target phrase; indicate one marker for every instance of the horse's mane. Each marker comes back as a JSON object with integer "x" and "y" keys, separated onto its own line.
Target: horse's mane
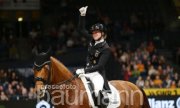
{"x": 58, "y": 67}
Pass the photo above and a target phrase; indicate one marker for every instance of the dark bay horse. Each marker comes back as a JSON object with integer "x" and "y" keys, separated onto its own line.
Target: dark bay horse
{"x": 68, "y": 91}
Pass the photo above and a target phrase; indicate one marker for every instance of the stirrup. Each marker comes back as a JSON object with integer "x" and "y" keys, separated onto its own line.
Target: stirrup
{"x": 105, "y": 95}
{"x": 107, "y": 91}
{"x": 104, "y": 99}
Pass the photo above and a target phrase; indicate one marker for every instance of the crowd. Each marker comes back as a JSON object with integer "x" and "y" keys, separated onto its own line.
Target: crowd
{"x": 14, "y": 86}
{"x": 146, "y": 67}
{"x": 62, "y": 34}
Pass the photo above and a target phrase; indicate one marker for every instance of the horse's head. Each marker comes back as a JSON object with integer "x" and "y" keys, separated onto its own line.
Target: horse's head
{"x": 48, "y": 70}
{"x": 42, "y": 72}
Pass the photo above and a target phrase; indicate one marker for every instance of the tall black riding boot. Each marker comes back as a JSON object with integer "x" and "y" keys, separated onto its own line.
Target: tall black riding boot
{"x": 106, "y": 86}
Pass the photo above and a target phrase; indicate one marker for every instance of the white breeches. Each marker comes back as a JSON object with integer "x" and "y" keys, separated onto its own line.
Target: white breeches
{"x": 97, "y": 80}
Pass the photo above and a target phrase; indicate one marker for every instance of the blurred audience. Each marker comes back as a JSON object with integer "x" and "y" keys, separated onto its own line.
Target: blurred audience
{"x": 12, "y": 87}
{"x": 146, "y": 68}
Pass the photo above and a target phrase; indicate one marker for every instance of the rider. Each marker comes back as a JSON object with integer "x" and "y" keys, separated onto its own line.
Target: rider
{"x": 98, "y": 54}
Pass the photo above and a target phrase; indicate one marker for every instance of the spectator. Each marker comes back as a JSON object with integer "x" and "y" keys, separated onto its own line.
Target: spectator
{"x": 167, "y": 82}
{"x": 160, "y": 70}
{"x": 140, "y": 66}
{"x": 124, "y": 58}
{"x": 135, "y": 73}
{"x": 31, "y": 94}
{"x": 157, "y": 82}
{"x": 148, "y": 82}
{"x": 173, "y": 85}
{"x": 176, "y": 77}
{"x": 3, "y": 97}
{"x": 155, "y": 61}
{"x": 24, "y": 91}
{"x": 128, "y": 73}
{"x": 140, "y": 82}
{"x": 152, "y": 71}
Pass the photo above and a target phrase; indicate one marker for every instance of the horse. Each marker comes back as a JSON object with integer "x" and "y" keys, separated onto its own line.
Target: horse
{"x": 68, "y": 91}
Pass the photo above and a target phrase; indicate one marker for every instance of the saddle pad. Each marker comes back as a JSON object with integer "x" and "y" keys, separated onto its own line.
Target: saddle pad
{"x": 114, "y": 97}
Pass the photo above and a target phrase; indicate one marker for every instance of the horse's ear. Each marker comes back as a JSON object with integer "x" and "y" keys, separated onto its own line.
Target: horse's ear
{"x": 49, "y": 51}
{"x": 42, "y": 57}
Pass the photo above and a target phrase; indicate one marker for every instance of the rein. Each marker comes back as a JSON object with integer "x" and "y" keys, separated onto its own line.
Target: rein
{"x": 66, "y": 81}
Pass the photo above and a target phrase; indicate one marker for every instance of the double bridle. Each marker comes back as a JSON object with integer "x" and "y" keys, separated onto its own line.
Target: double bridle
{"x": 46, "y": 82}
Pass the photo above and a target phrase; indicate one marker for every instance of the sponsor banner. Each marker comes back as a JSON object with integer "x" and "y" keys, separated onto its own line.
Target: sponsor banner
{"x": 154, "y": 101}
{"x": 164, "y": 101}
{"x": 162, "y": 92}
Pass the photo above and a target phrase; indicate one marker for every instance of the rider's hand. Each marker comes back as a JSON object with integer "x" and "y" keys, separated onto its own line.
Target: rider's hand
{"x": 79, "y": 72}
{"x": 83, "y": 10}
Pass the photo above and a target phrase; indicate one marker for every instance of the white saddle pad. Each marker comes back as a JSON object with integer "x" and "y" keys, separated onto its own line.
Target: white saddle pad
{"x": 114, "y": 97}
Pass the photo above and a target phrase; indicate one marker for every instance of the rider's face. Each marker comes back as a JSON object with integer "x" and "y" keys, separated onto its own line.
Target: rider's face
{"x": 96, "y": 35}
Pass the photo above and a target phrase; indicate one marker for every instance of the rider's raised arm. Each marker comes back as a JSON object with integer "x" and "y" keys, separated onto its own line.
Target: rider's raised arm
{"x": 81, "y": 25}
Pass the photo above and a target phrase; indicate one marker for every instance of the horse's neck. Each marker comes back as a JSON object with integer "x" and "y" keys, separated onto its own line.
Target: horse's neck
{"x": 59, "y": 76}
{"x": 59, "y": 72}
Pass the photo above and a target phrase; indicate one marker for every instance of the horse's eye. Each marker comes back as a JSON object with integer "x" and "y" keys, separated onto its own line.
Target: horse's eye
{"x": 37, "y": 68}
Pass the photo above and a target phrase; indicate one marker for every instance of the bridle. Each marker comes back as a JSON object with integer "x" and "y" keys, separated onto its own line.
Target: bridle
{"x": 46, "y": 82}
{"x": 38, "y": 68}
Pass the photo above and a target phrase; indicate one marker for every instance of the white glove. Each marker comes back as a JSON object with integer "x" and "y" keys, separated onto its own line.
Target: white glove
{"x": 80, "y": 71}
{"x": 83, "y": 10}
